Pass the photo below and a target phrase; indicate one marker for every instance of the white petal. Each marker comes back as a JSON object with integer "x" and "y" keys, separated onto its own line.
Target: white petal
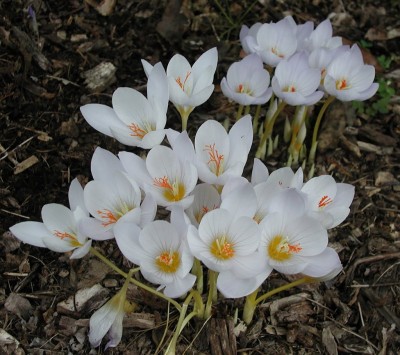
{"x": 75, "y": 196}
{"x": 147, "y": 67}
{"x": 115, "y": 332}
{"x": 241, "y": 202}
{"x": 323, "y": 264}
{"x": 104, "y": 164}
{"x": 135, "y": 166}
{"x": 58, "y": 218}
{"x": 101, "y": 117}
{"x": 157, "y": 87}
{"x": 208, "y": 58}
{"x": 180, "y": 286}
{"x": 56, "y": 244}
{"x": 127, "y": 238}
{"x": 80, "y": 252}
{"x": 259, "y": 173}
{"x": 31, "y": 233}
{"x": 94, "y": 229}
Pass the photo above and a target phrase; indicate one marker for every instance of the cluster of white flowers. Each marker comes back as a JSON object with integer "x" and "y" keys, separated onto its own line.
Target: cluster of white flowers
{"x": 240, "y": 229}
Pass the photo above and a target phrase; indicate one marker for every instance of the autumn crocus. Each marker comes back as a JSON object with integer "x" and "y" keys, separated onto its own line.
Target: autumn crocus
{"x": 162, "y": 175}
{"x": 60, "y": 230}
{"x": 221, "y": 155}
{"x": 295, "y": 82}
{"x": 108, "y": 319}
{"x": 247, "y": 82}
{"x": 134, "y": 120}
{"x": 348, "y": 78}
{"x": 191, "y": 86}
{"x": 161, "y": 251}
{"x": 327, "y": 200}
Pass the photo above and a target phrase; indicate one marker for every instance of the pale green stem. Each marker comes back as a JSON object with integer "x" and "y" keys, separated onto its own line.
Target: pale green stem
{"x": 198, "y": 271}
{"x": 212, "y": 292}
{"x": 283, "y": 288}
{"x": 198, "y": 303}
{"x": 106, "y": 261}
{"x": 269, "y": 127}
{"x": 255, "y": 119}
{"x": 184, "y": 118}
{"x": 239, "y": 112}
{"x": 181, "y": 324}
{"x": 328, "y": 101}
{"x": 249, "y": 307}
{"x": 247, "y": 110}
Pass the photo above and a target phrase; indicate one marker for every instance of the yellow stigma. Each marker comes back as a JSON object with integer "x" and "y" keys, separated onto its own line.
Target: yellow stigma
{"x": 168, "y": 261}
{"x": 222, "y": 248}
{"x": 72, "y": 239}
{"x": 280, "y": 250}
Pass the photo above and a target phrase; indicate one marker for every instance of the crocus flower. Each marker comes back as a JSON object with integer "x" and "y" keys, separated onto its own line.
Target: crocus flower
{"x": 112, "y": 197}
{"x": 327, "y": 200}
{"x": 289, "y": 237}
{"x": 226, "y": 241}
{"x": 134, "y": 120}
{"x": 248, "y": 38}
{"x": 108, "y": 319}
{"x": 321, "y": 37}
{"x": 60, "y": 230}
{"x": 221, "y": 155}
{"x": 163, "y": 175}
{"x": 277, "y": 41}
{"x": 348, "y": 78}
{"x": 247, "y": 82}
{"x": 191, "y": 86}
{"x": 162, "y": 252}
{"x": 295, "y": 82}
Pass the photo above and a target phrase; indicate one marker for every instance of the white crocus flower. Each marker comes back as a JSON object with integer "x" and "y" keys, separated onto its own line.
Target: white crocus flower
{"x": 226, "y": 241}
{"x": 247, "y": 82}
{"x": 295, "y": 82}
{"x": 277, "y": 41}
{"x": 248, "y": 38}
{"x": 134, "y": 119}
{"x": 189, "y": 86}
{"x": 60, "y": 230}
{"x": 220, "y": 155}
{"x": 163, "y": 175}
{"x": 289, "y": 237}
{"x": 112, "y": 197}
{"x": 327, "y": 200}
{"x": 348, "y": 78}
{"x": 109, "y": 318}
{"x": 162, "y": 252}
{"x": 321, "y": 37}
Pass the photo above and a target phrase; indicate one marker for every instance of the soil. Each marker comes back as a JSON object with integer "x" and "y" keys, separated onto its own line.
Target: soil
{"x": 45, "y": 143}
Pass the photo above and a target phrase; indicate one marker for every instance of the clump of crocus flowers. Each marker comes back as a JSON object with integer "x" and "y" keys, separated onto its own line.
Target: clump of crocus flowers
{"x": 236, "y": 229}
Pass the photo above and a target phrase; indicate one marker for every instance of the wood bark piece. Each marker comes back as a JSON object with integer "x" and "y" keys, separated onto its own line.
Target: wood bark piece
{"x": 100, "y": 77}
{"x": 222, "y": 337}
{"x": 85, "y": 300}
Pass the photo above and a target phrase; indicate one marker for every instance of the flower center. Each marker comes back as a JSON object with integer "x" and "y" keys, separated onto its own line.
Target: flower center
{"x": 139, "y": 131}
{"x": 342, "y": 84}
{"x": 182, "y": 84}
{"x": 110, "y": 217}
{"x": 244, "y": 89}
{"x": 324, "y": 201}
{"x": 279, "y": 248}
{"x": 198, "y": 215}
{"x": 72, "y": 238}
{"x": 168, "y": 261}
{"x": 216, "y": 159}
{"x": 289, "y": 88}
{"x": 222, "y": 248}
{"x": 276, "y": 52}
{"x": 171, "y": 192}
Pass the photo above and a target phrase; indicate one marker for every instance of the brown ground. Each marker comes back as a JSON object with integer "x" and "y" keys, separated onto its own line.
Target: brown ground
{"x": 41, "y": 90}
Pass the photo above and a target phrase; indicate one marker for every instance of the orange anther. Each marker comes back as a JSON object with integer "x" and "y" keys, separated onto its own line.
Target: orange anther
{"x": 137, "y": 131}
{"x": 325, "y": 200}
{"x": 162, "y": 182}
{"x": 108, "y": 216}
{"x": 214, "y": 157}
{"x": 179, "y": 81}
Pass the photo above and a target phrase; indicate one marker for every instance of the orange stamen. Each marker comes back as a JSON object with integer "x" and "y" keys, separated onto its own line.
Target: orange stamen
{"x": 341, "y": 84}
{"x": 240, "y": 88}
{"x": 108, "y": 216}
{"x": 179, "y": 81}
{"x": 275, "y": 51}
{"x": 162, "y": 182}
{"x": 325, "y": 200}
{"x": 214, "y": 157}
{"x": 72, "y": 238}
{"x": 137, "y": 131}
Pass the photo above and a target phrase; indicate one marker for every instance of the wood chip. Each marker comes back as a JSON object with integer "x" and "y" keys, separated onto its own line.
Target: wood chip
{"x": 9, "y": 345}
{"x": 329, "y": 342}
{"x": 385, "y": 178}
{"x": 372, "y": 148}
{"x": 85, "y": 300}
{"x": 18, "y": 305}
{"x": 26, "y": 164}
{"x": 100, "y": 77}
